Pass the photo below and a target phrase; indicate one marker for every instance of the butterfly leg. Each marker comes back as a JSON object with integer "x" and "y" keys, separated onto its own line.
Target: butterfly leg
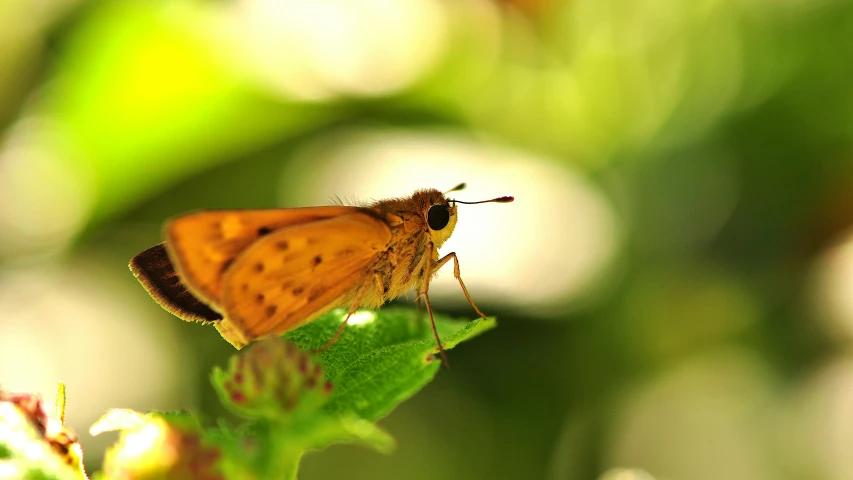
{"x": 418, "y": 304}
{"x": 361, "y": 292}
{"x": 419, "y": 315}
{"x": 456, "y": 274}
{"x": 425, "y": 295}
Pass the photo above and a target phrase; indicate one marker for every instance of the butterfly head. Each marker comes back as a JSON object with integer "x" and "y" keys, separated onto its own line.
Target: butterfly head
{"x": 439, "y": 212}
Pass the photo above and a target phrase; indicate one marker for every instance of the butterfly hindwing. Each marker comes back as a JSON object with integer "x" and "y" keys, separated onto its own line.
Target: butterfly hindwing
{"x": 156, "y": 273}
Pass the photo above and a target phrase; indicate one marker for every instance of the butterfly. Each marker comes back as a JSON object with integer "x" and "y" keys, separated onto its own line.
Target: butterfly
{"x": 269, "y": 271}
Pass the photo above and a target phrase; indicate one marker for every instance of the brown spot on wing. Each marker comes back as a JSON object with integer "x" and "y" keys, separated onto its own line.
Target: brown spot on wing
{"x": 315, "y": 293}
{"x": 226, "y": 264}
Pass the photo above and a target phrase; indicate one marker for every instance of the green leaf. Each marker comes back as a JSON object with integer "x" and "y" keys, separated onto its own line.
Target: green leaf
{"x": 383, "y": 357}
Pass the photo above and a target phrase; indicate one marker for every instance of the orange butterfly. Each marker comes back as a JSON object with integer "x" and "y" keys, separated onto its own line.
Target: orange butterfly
{"x": 260, "y": 272}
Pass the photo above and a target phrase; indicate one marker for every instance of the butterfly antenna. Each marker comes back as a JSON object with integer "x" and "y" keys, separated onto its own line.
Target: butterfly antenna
{"x": 461, "y": 186}
{"x": 504, "y": 199}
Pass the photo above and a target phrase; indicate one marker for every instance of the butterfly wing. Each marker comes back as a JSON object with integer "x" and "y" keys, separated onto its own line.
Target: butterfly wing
{"x": 295, "y": 274}
{"x": 155, "y": 272}
{"x": 203, "y": 244}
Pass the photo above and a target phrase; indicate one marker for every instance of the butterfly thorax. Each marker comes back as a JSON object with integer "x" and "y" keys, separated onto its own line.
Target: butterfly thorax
{"x": 401, "y": 267}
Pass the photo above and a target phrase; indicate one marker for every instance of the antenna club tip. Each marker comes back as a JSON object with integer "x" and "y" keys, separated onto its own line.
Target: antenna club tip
{"x": 505, "y": 199}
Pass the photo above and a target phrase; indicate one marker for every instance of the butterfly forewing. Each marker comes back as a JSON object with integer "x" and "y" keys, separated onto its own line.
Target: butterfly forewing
{"x": 203, "y": 245}
{"x": 290, "y": 276}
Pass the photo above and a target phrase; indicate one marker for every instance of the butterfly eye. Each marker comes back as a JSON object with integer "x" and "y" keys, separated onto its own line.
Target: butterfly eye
{"x": 438, "y": 216}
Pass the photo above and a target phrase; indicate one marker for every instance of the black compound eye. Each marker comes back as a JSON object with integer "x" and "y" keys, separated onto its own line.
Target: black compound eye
{"x": 438, "y": 216}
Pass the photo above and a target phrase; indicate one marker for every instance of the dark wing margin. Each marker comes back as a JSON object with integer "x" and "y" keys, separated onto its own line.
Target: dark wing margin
{"x": 156, "y": 273}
